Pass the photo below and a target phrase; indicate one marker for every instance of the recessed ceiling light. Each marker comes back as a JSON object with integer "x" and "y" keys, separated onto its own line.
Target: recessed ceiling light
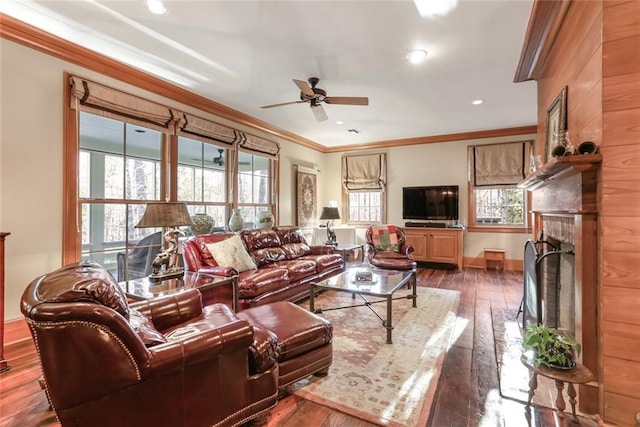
{"x": 478, "y": 102}
{"x": 339, "y": 122}
{"x": 417, "y": 56}
{"x": 156, "y": 7}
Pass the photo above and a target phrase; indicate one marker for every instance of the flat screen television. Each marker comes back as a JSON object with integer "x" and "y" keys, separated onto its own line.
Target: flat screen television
{"x": 430, "y": 203}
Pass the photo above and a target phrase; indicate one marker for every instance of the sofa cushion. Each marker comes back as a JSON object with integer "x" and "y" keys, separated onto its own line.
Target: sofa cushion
{"x": 290, "y": 234}
{"x": 298, "y": 268}
{"x": 231, "y": 253}
{"x": 266, "y": 279}
{"x": 260, "y": 238}
{"x": 295, "y": 250}
{"x": 326, "y": 262}
{"x": 145, "y": 329}
{"x": 266, "y": 256}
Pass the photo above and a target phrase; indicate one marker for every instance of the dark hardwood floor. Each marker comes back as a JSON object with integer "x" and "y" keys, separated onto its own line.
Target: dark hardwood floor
{"x": 467, "y": 395}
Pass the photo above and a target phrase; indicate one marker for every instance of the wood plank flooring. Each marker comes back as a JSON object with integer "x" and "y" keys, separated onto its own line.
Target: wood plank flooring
{"x": 468, "y": 392}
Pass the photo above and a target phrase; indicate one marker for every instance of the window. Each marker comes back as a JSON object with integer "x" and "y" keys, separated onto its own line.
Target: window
{"x": 496, "y": 203}
{"x": 254, "y": 186}
{"x": 122, "y": 151}
{"x": 364, "y": 184}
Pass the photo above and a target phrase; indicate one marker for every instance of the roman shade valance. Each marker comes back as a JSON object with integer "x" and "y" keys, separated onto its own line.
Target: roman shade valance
{"x": 112, "y": 103}
{"x": 499, "y": 164}
{"x": 364, "y": 172}
{"x": 205, "y": 130}
{"x": 257, "y": 145}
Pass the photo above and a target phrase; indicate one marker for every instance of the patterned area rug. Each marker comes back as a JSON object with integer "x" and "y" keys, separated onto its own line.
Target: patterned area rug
{"x": 387, "y": 384}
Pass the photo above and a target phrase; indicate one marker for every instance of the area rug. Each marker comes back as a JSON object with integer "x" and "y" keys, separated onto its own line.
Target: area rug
{"x": 512, "y": 374}
{"x": 386, "y": 384}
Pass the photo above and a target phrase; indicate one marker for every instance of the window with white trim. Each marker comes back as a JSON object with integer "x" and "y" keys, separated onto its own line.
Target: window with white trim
{"x": 364, "y": 184}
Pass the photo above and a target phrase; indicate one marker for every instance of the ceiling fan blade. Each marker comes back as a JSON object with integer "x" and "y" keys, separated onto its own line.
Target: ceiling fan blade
{"x": 304, "y": 87}
{"x": 347, "y": 100}
{"x": 282, "y": 103}
{"x": 319, "y": 112}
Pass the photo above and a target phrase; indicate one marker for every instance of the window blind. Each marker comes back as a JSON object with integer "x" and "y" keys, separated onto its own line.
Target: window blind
{"x": 499, "y": 164}
{"x": 364, "y": 172}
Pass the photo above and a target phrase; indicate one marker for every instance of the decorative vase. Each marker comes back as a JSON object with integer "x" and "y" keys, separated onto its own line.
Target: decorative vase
{"x": 236, "y": 221}
{"x": 264, "y": 219}
{"x": 202, "y": 223}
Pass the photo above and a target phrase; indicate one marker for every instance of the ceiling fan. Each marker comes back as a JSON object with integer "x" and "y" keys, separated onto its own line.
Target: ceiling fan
{"x": 315, "y": 97}
{"x": 219, "y": 161}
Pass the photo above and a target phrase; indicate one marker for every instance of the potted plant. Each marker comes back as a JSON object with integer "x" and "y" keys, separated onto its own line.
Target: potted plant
{"x": 551, "y": 347}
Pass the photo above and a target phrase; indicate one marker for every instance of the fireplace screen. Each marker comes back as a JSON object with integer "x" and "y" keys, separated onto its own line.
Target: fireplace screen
{"x": 532, "y": 297}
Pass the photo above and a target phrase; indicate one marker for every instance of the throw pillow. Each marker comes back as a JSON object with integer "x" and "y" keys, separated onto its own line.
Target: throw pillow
{"x": 231, "y": 253}
{"x": 385, "y": 238}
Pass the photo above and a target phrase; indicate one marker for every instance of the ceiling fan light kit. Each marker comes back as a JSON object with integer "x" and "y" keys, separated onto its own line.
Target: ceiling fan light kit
{"x": 315, "y": 96}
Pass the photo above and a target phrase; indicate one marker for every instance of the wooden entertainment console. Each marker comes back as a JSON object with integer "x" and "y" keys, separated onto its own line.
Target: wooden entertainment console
{"x": 443, "y": 245}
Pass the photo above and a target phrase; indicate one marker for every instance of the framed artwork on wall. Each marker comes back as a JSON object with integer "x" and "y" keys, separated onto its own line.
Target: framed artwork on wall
{"x": 307, "y": 198}
{"x": 556, "y": 121}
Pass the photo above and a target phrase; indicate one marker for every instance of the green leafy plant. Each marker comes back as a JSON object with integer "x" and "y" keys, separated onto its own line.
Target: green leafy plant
{"x": 551, "y": 347}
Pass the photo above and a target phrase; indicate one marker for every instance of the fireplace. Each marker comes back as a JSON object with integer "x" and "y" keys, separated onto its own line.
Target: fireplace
{"x": 564, "y": 257}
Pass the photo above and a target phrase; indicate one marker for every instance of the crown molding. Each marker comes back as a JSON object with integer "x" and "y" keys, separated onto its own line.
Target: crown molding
{"x": 544, "y": 24}
{"x": 34, "y": 38}
{"x": 29, "y": 36}
{"x": 464, "y": 136}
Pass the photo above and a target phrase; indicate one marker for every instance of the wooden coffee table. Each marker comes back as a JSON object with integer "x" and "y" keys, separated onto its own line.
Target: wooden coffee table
{"x": 144, "y": 289}
{"x": 384, "y": 284}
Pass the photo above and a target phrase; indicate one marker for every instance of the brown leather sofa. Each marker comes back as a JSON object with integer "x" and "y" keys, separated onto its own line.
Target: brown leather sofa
{"x": 286, "y": 264}
{"x": 165, "y": 362}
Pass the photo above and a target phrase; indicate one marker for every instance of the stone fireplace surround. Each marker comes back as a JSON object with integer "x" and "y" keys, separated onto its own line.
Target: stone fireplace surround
{"x": 564, "y": 208}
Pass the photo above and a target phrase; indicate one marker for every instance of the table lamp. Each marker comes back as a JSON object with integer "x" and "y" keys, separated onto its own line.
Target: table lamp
{"x": 169, "y": 215}
{"x": 330, "y": 213}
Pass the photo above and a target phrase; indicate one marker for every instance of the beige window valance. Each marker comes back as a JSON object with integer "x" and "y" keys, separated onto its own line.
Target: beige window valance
{"x": 499, "y": 164}
{"x": 205, "y": 130}
{"x": 364, "y": 172}
{"x": 257, "y": 145}
{"x": 112, "y": 103}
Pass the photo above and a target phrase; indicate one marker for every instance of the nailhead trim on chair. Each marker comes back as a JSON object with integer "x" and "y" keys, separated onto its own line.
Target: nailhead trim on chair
{"x": 245, "y": 419}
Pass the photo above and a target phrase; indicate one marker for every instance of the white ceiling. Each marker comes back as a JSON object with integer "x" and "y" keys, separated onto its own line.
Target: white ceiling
{"x": 243, "y": 54}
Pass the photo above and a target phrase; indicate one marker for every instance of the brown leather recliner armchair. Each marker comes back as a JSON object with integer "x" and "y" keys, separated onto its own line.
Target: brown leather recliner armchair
{"x": 165, "y": 362}
{"x": 387, "y": 248}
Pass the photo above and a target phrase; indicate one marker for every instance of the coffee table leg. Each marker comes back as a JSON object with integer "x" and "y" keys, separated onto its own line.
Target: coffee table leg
{"x": 415, "y": 295}
{"x": 389, "y": 322}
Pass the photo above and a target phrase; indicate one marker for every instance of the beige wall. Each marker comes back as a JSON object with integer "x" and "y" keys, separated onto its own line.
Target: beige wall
{"x": 431, "y": 164}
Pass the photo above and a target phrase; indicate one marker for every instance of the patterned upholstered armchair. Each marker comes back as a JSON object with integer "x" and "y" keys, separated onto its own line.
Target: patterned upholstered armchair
{"x": 387, "y": 248}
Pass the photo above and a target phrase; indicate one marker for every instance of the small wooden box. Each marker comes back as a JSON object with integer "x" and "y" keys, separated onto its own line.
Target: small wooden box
{"x": 494, "y": 255}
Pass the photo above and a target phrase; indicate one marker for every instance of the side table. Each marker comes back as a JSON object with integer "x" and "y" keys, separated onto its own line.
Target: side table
{"x": 144, "y": 289}
{"x": 579, "y": 374}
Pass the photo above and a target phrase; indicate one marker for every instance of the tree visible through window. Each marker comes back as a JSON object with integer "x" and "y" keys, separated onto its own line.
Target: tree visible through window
{"x": 504, "y": 206}
{"x": 365, "y": 206}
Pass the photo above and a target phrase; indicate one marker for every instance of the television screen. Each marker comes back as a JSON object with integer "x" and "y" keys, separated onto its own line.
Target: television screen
{"x": 430, "y": 203}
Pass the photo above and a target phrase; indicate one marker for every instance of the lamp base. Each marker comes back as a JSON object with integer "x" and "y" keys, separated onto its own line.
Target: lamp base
{"x": 177, "y": 273}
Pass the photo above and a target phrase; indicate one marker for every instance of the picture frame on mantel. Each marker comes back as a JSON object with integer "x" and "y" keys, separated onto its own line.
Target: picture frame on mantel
{"x": 556, "y": 121}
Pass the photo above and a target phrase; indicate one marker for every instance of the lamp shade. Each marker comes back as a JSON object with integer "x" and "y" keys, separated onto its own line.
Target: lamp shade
{"x": 330, "y": 213}
{"x": 165, "y": 214}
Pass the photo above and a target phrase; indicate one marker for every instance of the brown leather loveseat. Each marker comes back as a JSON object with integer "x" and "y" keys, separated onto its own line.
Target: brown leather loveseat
{"x": 283, "y": 264}
{"x": 165, "y": 362}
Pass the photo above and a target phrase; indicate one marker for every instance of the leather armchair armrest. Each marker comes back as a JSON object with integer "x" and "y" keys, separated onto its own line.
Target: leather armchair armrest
{"x": 171, "y": 310}
{"x": 407, "y": 250}
{"x": 321, "y": 249}
{"x": 200, "y": 345}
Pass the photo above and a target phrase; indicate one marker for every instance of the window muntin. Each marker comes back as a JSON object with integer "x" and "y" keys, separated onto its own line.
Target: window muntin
{"x": 365, "y": 206}
{"x": 254, "y": 185}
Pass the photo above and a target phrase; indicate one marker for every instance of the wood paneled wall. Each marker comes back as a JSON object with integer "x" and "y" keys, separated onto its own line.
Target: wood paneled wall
{"x": 575, "y": 61}
{"x": 620, "y": 211}
{"x": 596, "y": 53}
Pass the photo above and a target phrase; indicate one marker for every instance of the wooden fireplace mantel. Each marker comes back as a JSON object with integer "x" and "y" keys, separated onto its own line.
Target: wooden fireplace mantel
{"x": 560, "y": 167}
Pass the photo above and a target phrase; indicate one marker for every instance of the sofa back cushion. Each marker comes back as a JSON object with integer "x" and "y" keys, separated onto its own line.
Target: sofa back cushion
{"x": 263, "y": 245}
{"x": 293, "y": 242}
